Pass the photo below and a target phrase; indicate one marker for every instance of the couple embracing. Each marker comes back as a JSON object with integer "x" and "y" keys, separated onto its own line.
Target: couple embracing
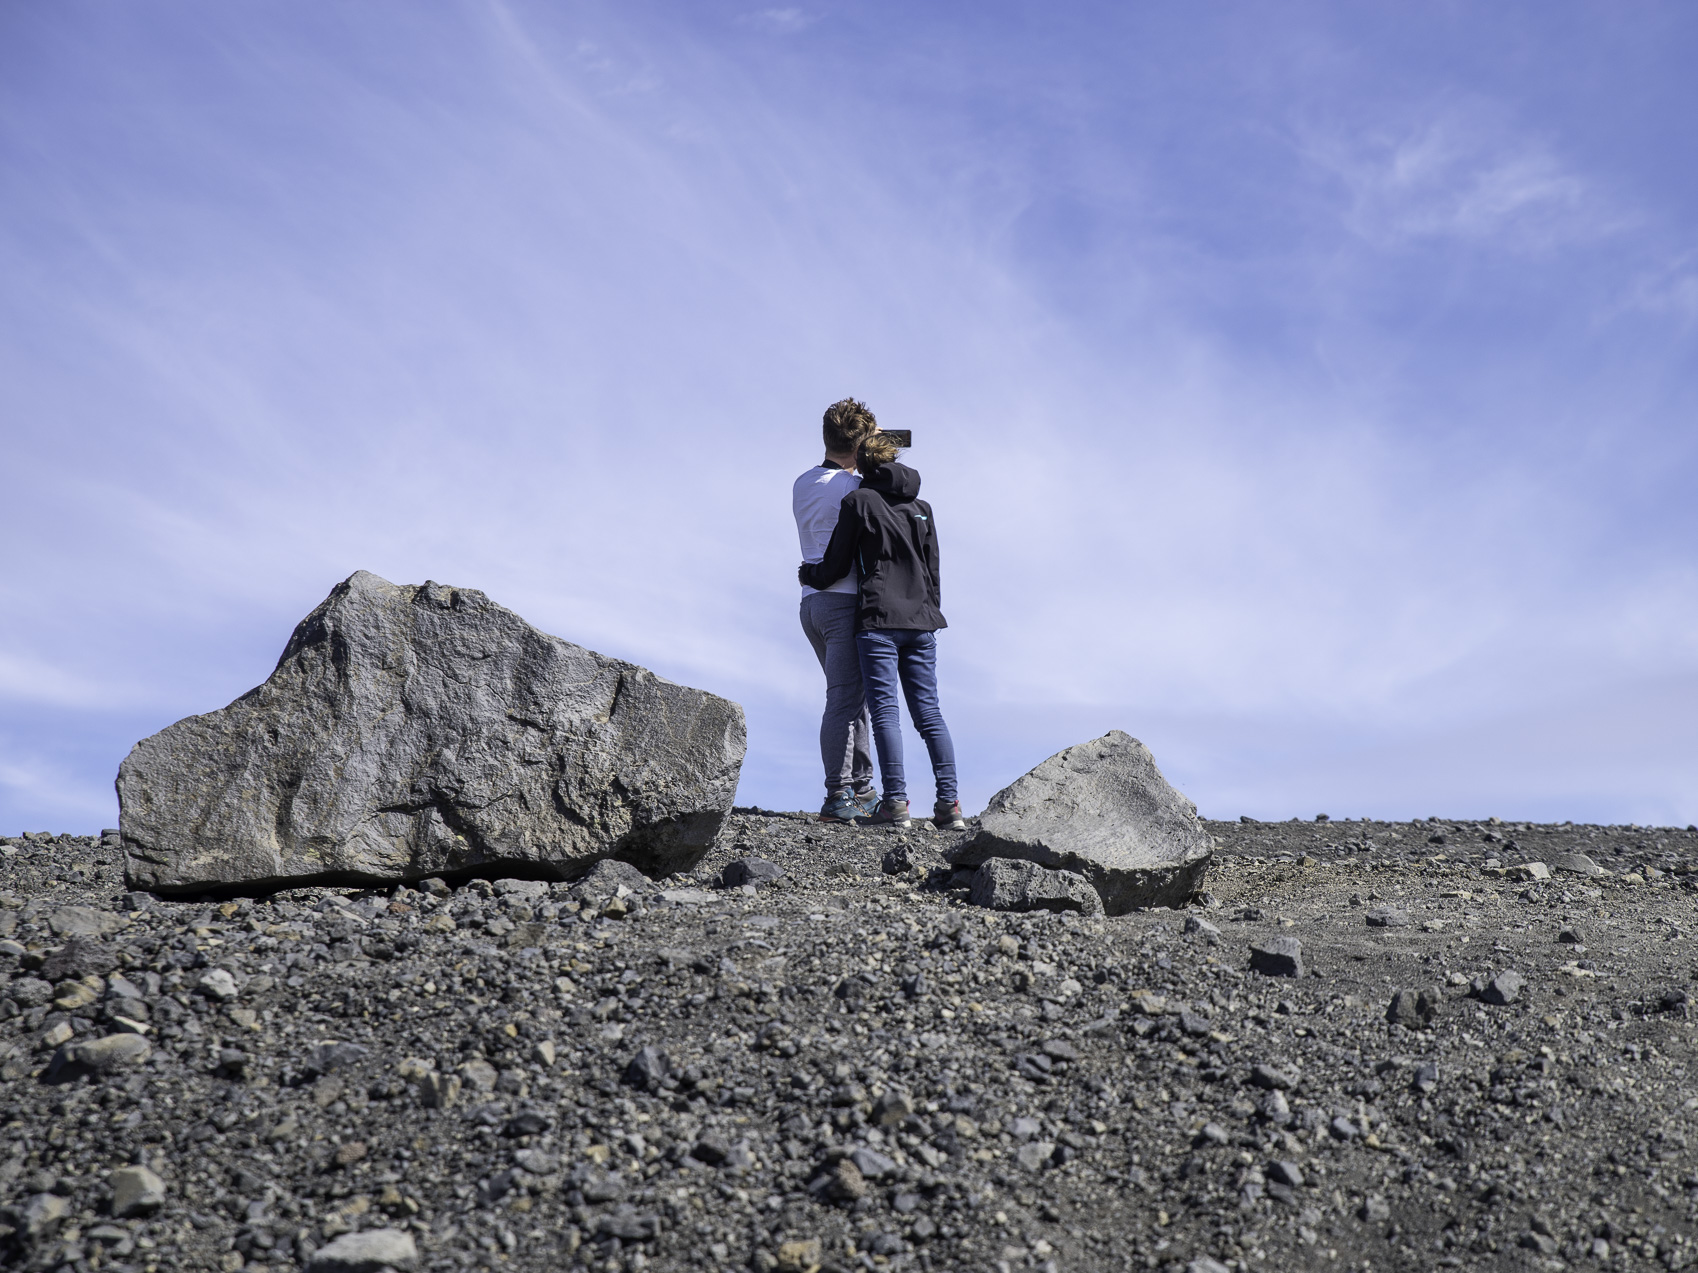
{"x": 870, "y": 599}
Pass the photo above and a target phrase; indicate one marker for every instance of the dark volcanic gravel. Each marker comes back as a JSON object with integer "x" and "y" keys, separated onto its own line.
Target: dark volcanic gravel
{"x": 854, "y": 1069}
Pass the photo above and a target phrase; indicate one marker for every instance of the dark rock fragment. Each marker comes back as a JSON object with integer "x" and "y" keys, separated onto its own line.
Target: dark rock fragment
{"x": 627, "y": 1224}
{"x": 606, "y": 878}
{"x": 842, "y": 1181}
{"x": 648, "y": 1069}
{"x": 79, "y": 957}
{"x": 899, "y": 860}
{"x": 1277, "y": 957}
{"x": 1005, "y": 884}
{"x": 1414, "y": 1009}
{"x": 328, "y": 1057}
{"x": 528, "y": 1122}
{"x": 750, "y": 870}
{"x": 710, "y": 1150}
{"x": 1502, "y": 990}
{"x": 1272, "y": 1078}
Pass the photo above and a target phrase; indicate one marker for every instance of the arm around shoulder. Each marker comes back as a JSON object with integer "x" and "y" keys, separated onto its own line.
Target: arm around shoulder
{"x": 839, "y": 556}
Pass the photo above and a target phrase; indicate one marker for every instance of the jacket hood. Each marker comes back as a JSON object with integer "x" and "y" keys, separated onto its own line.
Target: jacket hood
{"x": 896, "y": 482}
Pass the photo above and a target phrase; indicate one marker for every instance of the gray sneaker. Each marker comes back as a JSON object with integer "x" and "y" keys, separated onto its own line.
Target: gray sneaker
{"x": 947, "y": 817}
{"x": 840, "y": 806}
{"x": 890, "y": 813}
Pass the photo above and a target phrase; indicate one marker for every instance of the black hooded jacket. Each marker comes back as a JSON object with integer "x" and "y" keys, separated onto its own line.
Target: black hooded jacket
{"x": 886, "y": 533}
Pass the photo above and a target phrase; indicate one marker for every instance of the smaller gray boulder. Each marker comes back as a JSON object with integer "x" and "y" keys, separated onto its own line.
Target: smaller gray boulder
{"x": 1575, "y": 864}
{"x": 1006, "y": 884}
{"x": 1101, "y": 810}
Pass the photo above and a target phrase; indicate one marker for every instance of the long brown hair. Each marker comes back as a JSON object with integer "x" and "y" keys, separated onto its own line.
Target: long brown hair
{"x": 878, "y": 449}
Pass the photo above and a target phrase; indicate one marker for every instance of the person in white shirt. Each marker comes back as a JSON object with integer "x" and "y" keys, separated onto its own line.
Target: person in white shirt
{"x": 828, "y": 617}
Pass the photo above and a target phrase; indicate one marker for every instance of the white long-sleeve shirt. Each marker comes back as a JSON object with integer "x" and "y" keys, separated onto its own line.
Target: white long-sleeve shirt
{"x": 815, "y": 499}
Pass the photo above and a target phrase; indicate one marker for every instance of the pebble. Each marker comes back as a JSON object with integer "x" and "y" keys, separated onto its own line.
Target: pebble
{"x": 1285, "y": 1172}
{"x": 1034, "y": 1154}
{"x": 218, "y": 985}
{"x": 42, "y": 1212}
{"x": 1272, "y": 1077}
{"x": 756, "y": 872}
{"x": 135, "y": 1191}
{"x": 83, "y": 921}
{"x": 1388, "y": 917}
{"x": 371, "y": 1251}
{"x": 104, "y": 1054}
{"x": 1277, "y": 957}
{"x": 1503, "y": 989}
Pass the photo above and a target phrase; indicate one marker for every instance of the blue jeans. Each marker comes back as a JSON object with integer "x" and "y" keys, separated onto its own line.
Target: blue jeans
{"x": 905, "y": 657}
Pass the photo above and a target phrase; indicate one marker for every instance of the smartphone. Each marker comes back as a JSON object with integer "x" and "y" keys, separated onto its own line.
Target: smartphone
{"x": 902, "y": 437}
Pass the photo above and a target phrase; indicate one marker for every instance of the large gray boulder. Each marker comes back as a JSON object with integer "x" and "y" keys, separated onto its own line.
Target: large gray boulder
{"x": 1103, "y": 810}
{"x": 417, "y": 731}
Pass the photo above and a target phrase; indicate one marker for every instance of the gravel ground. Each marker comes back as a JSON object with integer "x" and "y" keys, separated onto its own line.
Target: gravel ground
{"x": 851, "y": 1067}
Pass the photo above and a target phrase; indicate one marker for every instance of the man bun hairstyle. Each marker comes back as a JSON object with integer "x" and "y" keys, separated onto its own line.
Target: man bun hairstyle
{"x": 847, "y": 424}
{"x": 878, "y": 449}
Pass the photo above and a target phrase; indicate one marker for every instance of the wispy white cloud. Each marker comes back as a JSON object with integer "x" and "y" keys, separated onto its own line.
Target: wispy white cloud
{"x": 1669, "y": 289}
{"x": 785, "y": 20}
{"x": 1459, "y": 173}
{"x": 26, "y": 678}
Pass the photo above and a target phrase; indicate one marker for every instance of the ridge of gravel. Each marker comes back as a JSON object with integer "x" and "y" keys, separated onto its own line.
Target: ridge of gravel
{"x": 851, "y": 1067}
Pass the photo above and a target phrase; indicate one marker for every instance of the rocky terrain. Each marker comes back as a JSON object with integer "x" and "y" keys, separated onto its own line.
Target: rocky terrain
{"x": 850, "y": 1066}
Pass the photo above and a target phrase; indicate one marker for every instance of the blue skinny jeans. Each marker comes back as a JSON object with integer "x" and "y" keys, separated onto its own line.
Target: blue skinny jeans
{"x": 905, "y": 657}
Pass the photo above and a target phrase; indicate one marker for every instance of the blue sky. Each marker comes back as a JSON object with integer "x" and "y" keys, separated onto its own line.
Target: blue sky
{"x": 1309, "y": 390}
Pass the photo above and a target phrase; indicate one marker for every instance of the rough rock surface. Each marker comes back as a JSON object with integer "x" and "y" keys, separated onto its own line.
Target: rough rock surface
{"x": 425, "y": 731}
{"x": 854, "y": 1068}
{"x": 1102, "y": 810}
{"x": 1009, "y": 884}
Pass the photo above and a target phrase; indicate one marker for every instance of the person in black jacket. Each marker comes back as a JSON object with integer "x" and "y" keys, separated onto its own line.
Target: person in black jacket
{"x": 885, "y": 533}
